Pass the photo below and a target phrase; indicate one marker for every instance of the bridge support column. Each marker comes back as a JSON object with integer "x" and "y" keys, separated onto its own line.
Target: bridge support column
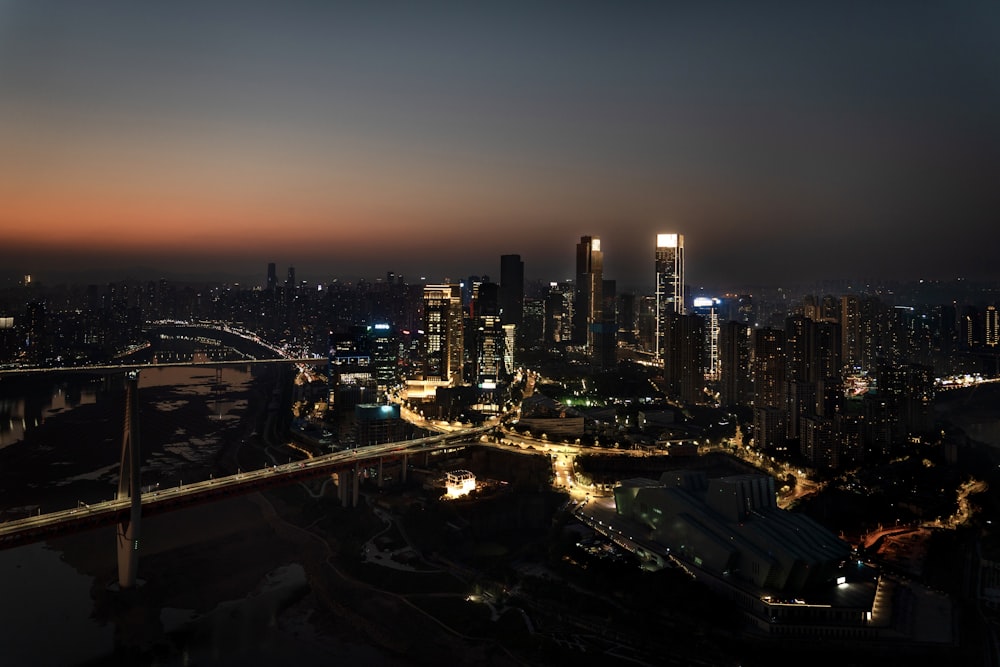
{"x": 343, "y": 482}
{"x": 402, "y": 473}
{"x": 347, "y": 487}
{"x": 380, "y": 479}
{"x": 129, "y": 487}
{"x": 356, "y": 484}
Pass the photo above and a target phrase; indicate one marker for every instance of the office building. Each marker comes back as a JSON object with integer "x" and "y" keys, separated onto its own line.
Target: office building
{"x": 384, "y": 350}
{"x": 669, "y": 282}
{"x": 512, "y": 292}
{"x": 351, "y": 376}
{"x": 443, "y": 335}
{"x": 708, "y": 308}
{"x": 377, "y": 423}
{"x": 559, "y": 311}
{"x": 604, "y": 345}
{"x": 588, "y": 315}
{"x": 488, "y": 337}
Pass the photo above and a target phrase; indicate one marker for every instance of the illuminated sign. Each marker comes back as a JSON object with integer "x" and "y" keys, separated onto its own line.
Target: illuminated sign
{"x": 595, "y": 245}
{"x": 705, "y": 302}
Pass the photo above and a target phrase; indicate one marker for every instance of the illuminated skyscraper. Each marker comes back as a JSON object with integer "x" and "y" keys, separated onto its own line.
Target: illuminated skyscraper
{"x": 850, "y": 330}
{"x": 443, "y": 338}
{"x": 384, "y": 351}
{"x": 488, "y": 334}
{"x": 708, "y": 309}
{"x": 559, "y": 313}
{"x": 992, "y": 326}
{"x": 669, "y": 282}
{"x": 588, "y": 314}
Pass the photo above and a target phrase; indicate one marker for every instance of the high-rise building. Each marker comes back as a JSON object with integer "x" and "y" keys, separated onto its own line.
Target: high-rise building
{"x": 768, "y": 368}
{"x": 735, "y": 386}
{"x": 34, "y": 332}
{"x": 8, "y": 336}
{"x": 992, "y": 326}
{"x": 588, "y": 315}
{"x": 559, "y": 317}
{"x": 604, "y": 346}
{"x": 508, "y": 349}
{"x": 351, "y": 380}
{"x": 532, "y": 331}
{"x": 384, "y": 352}
{"x": 628, "y": 319}
{"x": 489, "y": 337}
{"x": 683, "y": 357}
{"x": 850, "y": 330}
{"x": 800, "y": 349}
{"x": 708, "y": 308}
{"x": 826, "y": 348}
{"x": 817, "y": 444}
{"x": 512, "y": 292}
{"x": 443, "y": 339}
{"x": 272, "y": 277}
{"x": 669, "y": 282}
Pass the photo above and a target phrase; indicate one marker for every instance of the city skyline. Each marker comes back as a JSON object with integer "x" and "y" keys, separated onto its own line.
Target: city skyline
{"x": 835, "y": 141}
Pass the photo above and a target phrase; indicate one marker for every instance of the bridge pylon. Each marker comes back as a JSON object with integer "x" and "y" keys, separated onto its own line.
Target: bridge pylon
{"x": 129, "y": 486}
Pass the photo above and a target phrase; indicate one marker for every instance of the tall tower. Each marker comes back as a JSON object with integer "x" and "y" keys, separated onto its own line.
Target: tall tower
{"x": 512, "y": 292}
{"x": 588, "y": 314}
{"x": 489, "y": 338}
{"x": 443, "y": 340}
{"x": 684, "y": 357}
{"x": 850, "y": 330}
{"x": 272, "y": 277}
{"x": 735, "y": 386}
{"x": 992, "y": 337}
{"x": 669, "y": 283}
{"x": 768, "y": 362}
{"x": 708, "y": 309}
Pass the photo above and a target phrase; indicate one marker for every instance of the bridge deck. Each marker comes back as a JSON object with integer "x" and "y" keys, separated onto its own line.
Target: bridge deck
{"x": 42, "y": 526}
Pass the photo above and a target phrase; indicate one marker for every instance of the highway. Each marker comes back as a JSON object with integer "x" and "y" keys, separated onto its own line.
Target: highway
{"x": 159, "y": 500}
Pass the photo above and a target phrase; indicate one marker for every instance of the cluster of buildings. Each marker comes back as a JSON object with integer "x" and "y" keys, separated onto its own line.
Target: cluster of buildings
{"x": 835, "y": 378}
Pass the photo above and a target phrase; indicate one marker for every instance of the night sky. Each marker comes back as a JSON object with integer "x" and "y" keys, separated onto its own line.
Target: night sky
{"x": 787, "y": 141}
